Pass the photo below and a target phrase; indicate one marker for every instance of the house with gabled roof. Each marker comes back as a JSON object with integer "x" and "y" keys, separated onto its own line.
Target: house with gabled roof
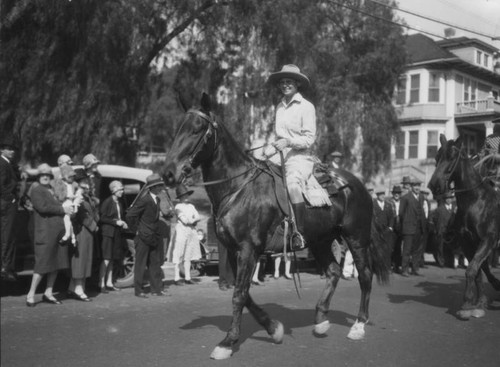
{"x": 449, "y": 87}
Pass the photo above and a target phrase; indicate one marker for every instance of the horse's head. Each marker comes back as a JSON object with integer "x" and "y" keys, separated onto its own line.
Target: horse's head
{"x": 447, "y": 160}
{"x": 195, "y": 142}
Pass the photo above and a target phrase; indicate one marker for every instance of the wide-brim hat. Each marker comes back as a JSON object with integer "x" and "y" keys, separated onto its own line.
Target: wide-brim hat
{"x": 154, "y": 180}
{"x": 416, "y": 182}
{"x": 336, "y": 154}
{"x": 9, "y": 141}
{"x": 406, "y": 180}
{"x": 289, "y": 71}
{"x": 44, "y": 169}
{"x": 182, "y": 190}
{"x": 397, "y": 189}
{"x": 80, "y": 174}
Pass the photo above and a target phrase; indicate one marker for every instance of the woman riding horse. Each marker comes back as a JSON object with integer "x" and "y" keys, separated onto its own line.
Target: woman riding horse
{"x": 247, "y": 209}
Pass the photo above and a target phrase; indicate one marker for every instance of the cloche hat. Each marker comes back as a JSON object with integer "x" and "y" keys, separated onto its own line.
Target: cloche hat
{"x": 89, "y": 160}
{"x": 44, "y": 169}
{"x": 115, "y": 186}
{"x": 289, "y": 71}
{"x": 64, "y": 159}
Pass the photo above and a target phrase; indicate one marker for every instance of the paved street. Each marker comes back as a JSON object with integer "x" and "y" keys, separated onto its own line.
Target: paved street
{"x": 412, "y": 324}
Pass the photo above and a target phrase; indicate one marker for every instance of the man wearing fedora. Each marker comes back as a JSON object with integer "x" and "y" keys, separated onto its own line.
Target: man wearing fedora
{"x": 395, "y": 202}
{"x": 295, "y": 127}
{"x": 442, "y": 219}
{"x": 144, "y": 219}
{"x": 405, "y": 185}
{"x": 9, "y": 178}
{"x": 412, "y": 228}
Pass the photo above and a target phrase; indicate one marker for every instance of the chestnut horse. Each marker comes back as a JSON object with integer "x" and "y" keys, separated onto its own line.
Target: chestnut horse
{"x": 477, "y": 220}
{"x": 247, "y": 212}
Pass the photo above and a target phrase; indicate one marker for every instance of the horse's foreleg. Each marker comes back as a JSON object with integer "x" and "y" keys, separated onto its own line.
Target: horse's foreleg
{"x": 474, "y": 302}
{"x": 321, "y": 322}
{"x": 273, "y": 327}
{"x": 246, "y": 265}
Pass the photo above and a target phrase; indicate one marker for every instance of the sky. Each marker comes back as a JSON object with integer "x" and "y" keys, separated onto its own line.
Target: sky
{"x": 479, "y": 15}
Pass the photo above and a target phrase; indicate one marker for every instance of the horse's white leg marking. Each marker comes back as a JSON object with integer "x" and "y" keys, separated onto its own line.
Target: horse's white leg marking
{"x": 221, "y": 353}
{"x": 321, "y": 328}
{"x": 357, "y": 331}
{"x": 278, "y": 333}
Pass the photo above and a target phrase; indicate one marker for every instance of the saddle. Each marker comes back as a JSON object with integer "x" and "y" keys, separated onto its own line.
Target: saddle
{"x": 331, "y": 183}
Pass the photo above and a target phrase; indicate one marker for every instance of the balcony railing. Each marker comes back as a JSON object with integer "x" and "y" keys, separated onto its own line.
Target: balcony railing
{"x": 478, "y": 106}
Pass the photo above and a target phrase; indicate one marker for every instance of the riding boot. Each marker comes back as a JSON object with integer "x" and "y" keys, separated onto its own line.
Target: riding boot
{"x": 298, "y": 242}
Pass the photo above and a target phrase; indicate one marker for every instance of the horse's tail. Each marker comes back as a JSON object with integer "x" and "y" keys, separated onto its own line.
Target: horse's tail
{"x": 380, "y": 253}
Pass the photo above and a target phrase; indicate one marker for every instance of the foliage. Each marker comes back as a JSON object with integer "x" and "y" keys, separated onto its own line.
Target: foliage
{"x": 80, "y": 73}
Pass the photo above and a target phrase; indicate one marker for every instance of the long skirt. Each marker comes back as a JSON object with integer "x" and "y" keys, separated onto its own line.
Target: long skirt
{"x": 186, "y": 244}
{"x": 81, "y": 255}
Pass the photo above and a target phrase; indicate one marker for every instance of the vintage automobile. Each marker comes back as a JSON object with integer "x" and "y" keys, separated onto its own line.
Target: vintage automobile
{"x": 133, "y": 180}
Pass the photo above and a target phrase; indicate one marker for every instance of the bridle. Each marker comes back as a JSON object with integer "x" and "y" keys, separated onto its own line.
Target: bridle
{"x": 450, "y": 170}
{"x": 210, "y": 135}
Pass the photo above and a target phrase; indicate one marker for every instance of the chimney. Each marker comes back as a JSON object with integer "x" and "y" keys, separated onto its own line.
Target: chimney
{"x": 449, "y": 32}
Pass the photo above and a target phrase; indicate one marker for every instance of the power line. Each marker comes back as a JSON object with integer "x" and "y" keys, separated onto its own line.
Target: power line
{"x": 385, "y": 20}
{"x": 435, "y": 20}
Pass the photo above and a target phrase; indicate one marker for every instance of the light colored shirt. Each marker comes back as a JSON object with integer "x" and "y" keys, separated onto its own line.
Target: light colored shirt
{"x": 296, "y": 121}
{"x": 186, "y": 213}
{"x": 381, "y": 204}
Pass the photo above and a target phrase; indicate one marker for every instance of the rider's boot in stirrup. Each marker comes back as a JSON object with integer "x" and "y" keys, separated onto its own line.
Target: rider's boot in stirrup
{"x": 298, "y": 242}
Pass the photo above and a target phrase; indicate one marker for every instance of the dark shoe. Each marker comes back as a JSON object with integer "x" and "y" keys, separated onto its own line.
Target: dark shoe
{"x": 8, "y": 276}
{"x": 255, "y": 283}
{"x": 179, "y": 282}
{"x": 52, "y": 301}
{"x": 189, "y": 281}
{"x": 288, "y": 277}
{"x": 30, "y": 304}
{"x": 81, "y": 297}
{"x": 141, "y": 295}
{"x": 103, "y": 290}
{"x": 113, "y": 288}
{"x": 405, "y": 274}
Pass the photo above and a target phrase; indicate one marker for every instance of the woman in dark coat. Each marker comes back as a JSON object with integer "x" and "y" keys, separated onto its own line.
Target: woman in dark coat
{"x": 113, "y": 242}
{"x": 49, "y": 227}
{"x": 85, "y": 226}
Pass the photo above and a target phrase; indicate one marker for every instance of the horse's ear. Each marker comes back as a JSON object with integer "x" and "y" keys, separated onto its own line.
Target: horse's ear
{"x": 442, "y": 139}
{"x": 182, "y": 101}
{"x": 458, "y": 142}
{"x": 205, "y": 102}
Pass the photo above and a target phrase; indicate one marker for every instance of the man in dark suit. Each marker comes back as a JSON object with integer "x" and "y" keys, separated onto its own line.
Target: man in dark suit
{"x": 144, "y": 218}
{"x": 412, "y": 228}
{"x": 443, "y": 217}
{"x": 9, "y": 177}
{"x": 395, "y": 201}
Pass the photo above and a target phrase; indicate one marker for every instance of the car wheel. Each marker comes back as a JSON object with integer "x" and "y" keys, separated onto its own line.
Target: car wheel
{"x": 125, "y": 272}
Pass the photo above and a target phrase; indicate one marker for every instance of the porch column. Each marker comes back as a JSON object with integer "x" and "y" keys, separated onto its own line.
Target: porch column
{"x": 488, "y": 125}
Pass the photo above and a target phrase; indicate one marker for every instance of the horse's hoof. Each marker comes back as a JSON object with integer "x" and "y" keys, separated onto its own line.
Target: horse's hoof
{"x": 357, "y": 331}
{"x": 321, "y": 328}
{"x": 221, "y": 353}
{"x": 464, "y": 314}
{"x": 478, "y": 313}
{"x": 278, "y": 333}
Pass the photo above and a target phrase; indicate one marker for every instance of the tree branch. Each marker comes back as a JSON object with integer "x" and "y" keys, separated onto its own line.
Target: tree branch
{"x": 160, "y": 45}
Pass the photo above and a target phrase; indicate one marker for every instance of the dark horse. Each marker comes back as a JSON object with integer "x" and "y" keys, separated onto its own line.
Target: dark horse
{"x": 477, "y": 219}
{"x": 247, "y": 212}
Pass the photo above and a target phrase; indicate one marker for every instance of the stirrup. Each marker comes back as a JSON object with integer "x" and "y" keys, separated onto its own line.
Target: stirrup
{"x": 298, "y": 243}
